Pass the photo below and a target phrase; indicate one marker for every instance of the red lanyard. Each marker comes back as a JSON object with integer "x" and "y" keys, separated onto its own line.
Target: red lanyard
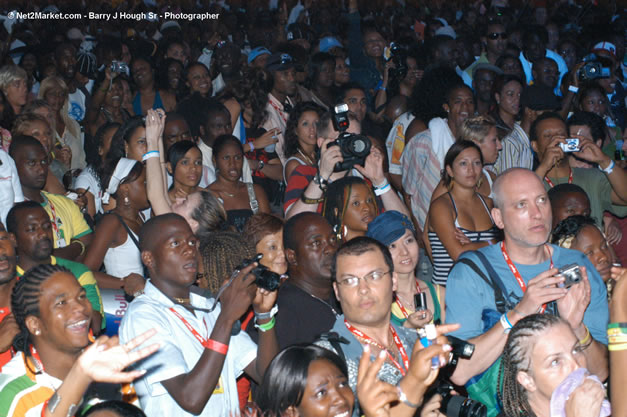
{"x": 371, "y": 341}
{"x": 197, "y": 335}
{"x": 514, "y": 270}
{"x": 281, "y": 112}
{"x": 38, "y": 364}
{"x": 400, "y": 304}
{"x": 570, "y": 179}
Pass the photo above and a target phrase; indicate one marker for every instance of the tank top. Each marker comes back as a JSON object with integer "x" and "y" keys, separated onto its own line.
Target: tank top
{"x": 442, "y": 261}
{"x": 137, "y": 103}
{"x": 124, "y": 259}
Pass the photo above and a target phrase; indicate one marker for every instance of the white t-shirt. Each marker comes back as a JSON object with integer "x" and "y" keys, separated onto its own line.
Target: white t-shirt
{"x": 87, "y": 180}
{"x": 10, "y": 187}
{"x": 396, "y": 140}
{"x": 180, "y": 351}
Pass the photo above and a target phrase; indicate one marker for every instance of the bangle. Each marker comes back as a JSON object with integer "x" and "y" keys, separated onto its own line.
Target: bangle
{"x": 307, "y": 200}
{"x": 251, "y": 144}
{"x": 216, "y": 346}
{"x": 403, "y": 398}
{"x": 80, "y": 243}
{"x": 266, "y": 326}
{"x": 150, "y": 154}
{"x": 507, "y": 326}
{"x": 587, "y": 338}
{"x": 609, "y": 168}
{"x": 573, "y": 89}
{"x": 617, "y": 347}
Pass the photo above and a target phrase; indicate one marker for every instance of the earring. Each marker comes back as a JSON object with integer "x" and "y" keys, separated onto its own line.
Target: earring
{"x": 127, "y": 202}
{"x": 339, "y": 235}
{"x": 37, "y": 332}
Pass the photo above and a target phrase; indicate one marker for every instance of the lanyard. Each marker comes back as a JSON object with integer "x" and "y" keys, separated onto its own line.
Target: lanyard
{"x": 570, "y": 179}
{"x": 36, "y": 359}
{"x": 54, "y": 218}
{"x": 281, "y": 112}
{"x": 514, "y": 270}
{"x": 197, "y": 335}
{"x": 371, "y": 341}
{"x": 400, "y": 304}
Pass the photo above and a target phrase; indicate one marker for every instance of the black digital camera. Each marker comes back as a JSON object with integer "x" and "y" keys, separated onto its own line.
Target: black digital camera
{"x": 355, "y": 148}
{"x": 264, "y": 278}
{"x": 397, "y": 54}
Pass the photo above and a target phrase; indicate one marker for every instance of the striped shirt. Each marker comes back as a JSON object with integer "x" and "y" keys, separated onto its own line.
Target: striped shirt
{"x": 22, "y": 391}
{"x": 516, "y": 152}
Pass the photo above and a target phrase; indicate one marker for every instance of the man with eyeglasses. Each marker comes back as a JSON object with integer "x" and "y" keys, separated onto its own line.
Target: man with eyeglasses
{"x": 364, "y": 282}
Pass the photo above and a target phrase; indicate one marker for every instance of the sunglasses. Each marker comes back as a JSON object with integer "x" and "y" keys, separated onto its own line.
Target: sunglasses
{"x": 494, "y": 36}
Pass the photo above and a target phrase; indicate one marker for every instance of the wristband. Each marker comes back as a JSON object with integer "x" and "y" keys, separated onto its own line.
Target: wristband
{"x": 507, "y": 326}
{"x": 266, "y": 326}
{"x": 403, "y": 398}
{"x": 150, "y": 154}
{"x": 609, "y": 169}
{"x": 80, "y": 243}
{"x": 216, "y": 346}
{"x": 306, "y": 200}
{"x": 573, "y": 89}
{"x": 617, "y": 347}
{"x": 267, "y": 315}
{"x": 378, "y": 191}
{"x": 252, "y": 146}
{"x": 618, "y": 325}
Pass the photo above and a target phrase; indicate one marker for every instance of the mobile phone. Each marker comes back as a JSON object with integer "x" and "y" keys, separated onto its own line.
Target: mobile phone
{"x": 420, "y": 301}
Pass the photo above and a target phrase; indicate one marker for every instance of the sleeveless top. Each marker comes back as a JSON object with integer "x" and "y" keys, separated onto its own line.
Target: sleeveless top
{"x": 137, "y": 103}
{"x": 489, "y": 179}
{"x": 239, "y": 217}
{"x": 124, "y": 259}
{"x": 442, "y": 262}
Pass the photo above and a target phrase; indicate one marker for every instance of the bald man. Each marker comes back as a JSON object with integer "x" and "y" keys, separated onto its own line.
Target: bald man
{"x": 527, "y": 268}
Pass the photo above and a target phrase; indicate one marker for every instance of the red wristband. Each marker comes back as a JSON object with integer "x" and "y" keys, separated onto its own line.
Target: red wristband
{"x": 216, "y": 346}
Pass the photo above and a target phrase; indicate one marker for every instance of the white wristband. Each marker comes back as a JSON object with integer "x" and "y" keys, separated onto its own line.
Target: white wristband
{"x": 382, "y": 189}
{"x": 506, "y": 324}
{"x": 573, "y": 89}
{"x": 150, "y": 154}
{"x": 609, "y": 168}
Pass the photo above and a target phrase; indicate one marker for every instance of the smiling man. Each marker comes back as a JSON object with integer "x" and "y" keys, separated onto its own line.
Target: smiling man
{"x": 8, "y": 327}
{"x": 201, "y": 354}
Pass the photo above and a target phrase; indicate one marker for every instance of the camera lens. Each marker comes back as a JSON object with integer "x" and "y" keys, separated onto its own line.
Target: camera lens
{"x": 458, "y": 406}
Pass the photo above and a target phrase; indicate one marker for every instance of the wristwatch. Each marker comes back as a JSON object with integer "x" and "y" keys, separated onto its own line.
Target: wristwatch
{"x": 320, "y": 182}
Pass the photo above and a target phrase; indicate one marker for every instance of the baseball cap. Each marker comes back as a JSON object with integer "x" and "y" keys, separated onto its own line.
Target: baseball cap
{"x": 279, "y": 62}
{"x": 605, "y": 47}
{"x": 329, "y": 42}
{"x": 389, "y": 226}
{"x": 256, "y": 52}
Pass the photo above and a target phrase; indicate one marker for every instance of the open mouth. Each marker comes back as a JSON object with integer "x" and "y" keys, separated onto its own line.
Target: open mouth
{"x": 79, "y": 326}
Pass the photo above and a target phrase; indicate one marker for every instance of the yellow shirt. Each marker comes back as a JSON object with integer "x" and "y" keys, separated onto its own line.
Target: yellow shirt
{"x": 67, "y": 220}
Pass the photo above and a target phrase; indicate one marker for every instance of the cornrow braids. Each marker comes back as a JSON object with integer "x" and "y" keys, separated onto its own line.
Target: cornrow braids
{"x": 222, "y": 252}
{"x": 25, "y": 300}
{"x": 517, "y": 357}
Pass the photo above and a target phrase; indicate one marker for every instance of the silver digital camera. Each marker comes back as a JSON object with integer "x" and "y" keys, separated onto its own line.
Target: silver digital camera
{"x": 571, "y": 274}
{"x": 571, "y": 145}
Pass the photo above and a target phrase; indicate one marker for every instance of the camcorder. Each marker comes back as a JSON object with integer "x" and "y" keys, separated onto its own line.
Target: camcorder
{"x": 595, "y": 67}
{"x": 264, "y": 278}
{"x": 355, "y": 148}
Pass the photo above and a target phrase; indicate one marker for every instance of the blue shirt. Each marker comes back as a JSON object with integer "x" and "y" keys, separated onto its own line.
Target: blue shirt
{"x": 468, "y": 295}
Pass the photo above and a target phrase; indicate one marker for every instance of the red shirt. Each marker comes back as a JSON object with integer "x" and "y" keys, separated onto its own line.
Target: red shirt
{"x": 5, "y": 356}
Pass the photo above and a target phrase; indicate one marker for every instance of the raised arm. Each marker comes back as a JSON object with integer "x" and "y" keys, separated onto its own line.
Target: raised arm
{"x": 155, "y": 167}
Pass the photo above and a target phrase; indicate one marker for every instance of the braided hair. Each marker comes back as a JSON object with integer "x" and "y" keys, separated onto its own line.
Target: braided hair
{"x": 25, "y": 301}
{"x": 336, "y": 201}
{"x": 517, "y": 357}
{"x": 568, "y": 229}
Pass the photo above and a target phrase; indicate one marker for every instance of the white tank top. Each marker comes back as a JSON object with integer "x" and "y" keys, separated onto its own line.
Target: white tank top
{"x": 124, "y": 259}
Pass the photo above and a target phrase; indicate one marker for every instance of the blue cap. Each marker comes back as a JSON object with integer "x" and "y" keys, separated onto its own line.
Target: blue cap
{"x": 329, "y": 42}
{"x": 260, "y": 50}
{"x": 389, "y": 226}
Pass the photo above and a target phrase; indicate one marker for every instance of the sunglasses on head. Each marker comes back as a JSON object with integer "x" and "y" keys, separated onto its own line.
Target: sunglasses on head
{"x": 495, "y": 35}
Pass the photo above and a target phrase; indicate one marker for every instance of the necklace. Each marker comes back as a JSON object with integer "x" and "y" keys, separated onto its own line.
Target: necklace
{"x": 181, "y": 300}
{"x": 307, "y": 158}
{"x": 229, "y": 194}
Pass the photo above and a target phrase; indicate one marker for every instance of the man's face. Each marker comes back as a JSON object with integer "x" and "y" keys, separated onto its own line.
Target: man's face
{"x": 496, "y": 39}
{"x": 482, "y": 82}
{"x": 285, "y": 82}
{"x": 174, "y": 259}
{"x": 315, "y": 249}
{"x": 175, "y": 131}
{"x": 368, "y": 303}
{"x": 525, "y": 215}
{"x": 374, "y": 44}
{"x": 534, "y": 49}
{"x": 66, "y": 62}
{"x": 546, "y": 131}
{"x": 546, "y": 73}
{"x": 570, "y": 204}
{"x": 32, "y": 166}
{"x": 356, "y": 101}
{"x": 7, "y": 256}
{"x": 34, "y": 234}
{"x": 219, "y": 124}
{"x": 568, "y": 51}
{"x": 447, "y": 54}
{"x": 226, "y": 60}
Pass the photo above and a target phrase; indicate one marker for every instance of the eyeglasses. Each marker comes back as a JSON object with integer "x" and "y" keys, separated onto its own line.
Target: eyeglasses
{"x": 495, "y": 35}
{"x": 371, "y": 278}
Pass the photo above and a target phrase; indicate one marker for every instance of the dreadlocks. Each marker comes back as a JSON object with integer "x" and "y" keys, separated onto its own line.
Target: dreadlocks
{"x": 517, "y": 357}
{"x": 25, "y": 300}
{"x": 336, "y": 201}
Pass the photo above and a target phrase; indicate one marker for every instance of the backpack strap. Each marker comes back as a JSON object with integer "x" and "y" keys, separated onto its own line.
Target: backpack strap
{"x": 502, "y": 305}
{"x": 335, "y": 339}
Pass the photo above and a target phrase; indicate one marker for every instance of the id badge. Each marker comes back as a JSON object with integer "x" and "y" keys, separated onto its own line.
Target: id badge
{"x": 61, "y": 243}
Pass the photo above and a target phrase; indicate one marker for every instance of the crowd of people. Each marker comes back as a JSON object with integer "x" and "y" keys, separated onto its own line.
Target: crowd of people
{"x": 313, "y": 208}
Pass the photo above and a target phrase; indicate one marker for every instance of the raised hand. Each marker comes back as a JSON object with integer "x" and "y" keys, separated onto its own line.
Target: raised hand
{"x": 375, "y": 396}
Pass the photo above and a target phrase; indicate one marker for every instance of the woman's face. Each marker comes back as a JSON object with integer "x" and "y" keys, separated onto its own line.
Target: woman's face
{"x": 326, "y": 393}
{"x": 142, "y": 73}
{"x": 55, "y": 97}
{"x": 594, "y": 102}
{"x": 229, "y": 162}
{"x": 307, "y": 128}
{"x": 136, "y": 146}
{"x": 413, "y": 73}
{"x": 106, "y": 142}
{"x": 137, "y": 191}
{"x": 184, "y": 207}
{"x": 460, "y": 106}
{"x": 405, "y": 253}
{"x": 16, "y": 92}
{"x": 466, "y": 168}
{"x": 591, "y": 242}
{"x": 175, "y": 70}
{"x": 198, "y": 80}
{"x": 176, "y": 51}
{"x": 490, "y": 147}
{"x": 271, "y": 247}
{"x": 326, "y": 76}
{"x": 555, "y": 354}
{"x": 29, "y": 63}
{"x": 361, "y": 209}
{"x": 113, "y": 98}
{"x": 509, "y": 98}
{"x": 42, "y": 132}
{"x": 342, "y": 72}
{"x": 188, "y": 170}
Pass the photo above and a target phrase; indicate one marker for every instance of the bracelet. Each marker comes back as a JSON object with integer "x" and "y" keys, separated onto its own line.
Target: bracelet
{"x": 252, "y": 146}
{"x": 573, "y": 89}
{"x": 609, "y": 168}
{"x": 403, "y": 398}
{"x": 307, "y": 200}
{"x": 586, "y": 339}
{"x": 216, "y": 346}
{"x": 80, "y": 243}
{"x": 617, "y": 339}
{"x": 150, "y": 154}
{"x": 266, "y": 326}
{"x": 518, "y": 312}
{"x": 618, "y": 325}
{"x": 260, "y": 166}
{"x": 267, "y": 315}
{"x": 617, "y": 347}
{"x": 507, "y": 326}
